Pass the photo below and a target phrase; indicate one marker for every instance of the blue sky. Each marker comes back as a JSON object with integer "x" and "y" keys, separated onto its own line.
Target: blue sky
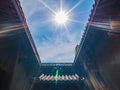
{"x": 56, "y": 43}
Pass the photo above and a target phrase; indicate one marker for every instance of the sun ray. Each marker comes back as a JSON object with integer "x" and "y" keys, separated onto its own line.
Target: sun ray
{"x": 76, "y": 5}
{"x": 61, "y": 17}
{"x": 66, "y": 28}
{"x": 85, "y": 12}
{"x": 47, "y": 21}
{"x": 61, "y": 5}
{"x": 42, "y": 2}
{"x": 76, "y": 21}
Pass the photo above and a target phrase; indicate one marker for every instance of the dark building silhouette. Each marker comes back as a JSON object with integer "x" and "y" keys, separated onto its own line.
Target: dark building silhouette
{"x": 99, "y": 51}
{"x": 19, "y": 60}
{"x": 97, "y": 58}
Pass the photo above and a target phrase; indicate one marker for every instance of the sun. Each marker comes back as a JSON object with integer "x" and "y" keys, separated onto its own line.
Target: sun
{"x": 61, "y": 17}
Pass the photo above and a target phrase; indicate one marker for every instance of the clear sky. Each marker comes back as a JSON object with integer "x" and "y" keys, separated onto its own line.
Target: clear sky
{"x": 55, "y": 42}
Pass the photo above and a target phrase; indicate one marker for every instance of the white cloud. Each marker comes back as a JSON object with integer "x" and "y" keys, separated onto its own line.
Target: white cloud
{"x": 59, "y": 50}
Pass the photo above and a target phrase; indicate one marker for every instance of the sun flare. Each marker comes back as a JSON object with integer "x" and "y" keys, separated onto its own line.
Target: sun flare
{"x": 61, "y": 17}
